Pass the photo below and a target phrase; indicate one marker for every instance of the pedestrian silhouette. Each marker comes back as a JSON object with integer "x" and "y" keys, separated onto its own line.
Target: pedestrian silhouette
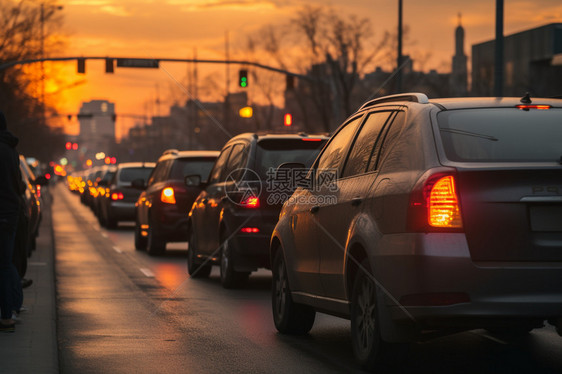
{"x": 10, "y": 191}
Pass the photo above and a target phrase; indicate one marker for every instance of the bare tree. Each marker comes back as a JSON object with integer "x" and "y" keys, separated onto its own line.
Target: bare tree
{"x": 332, "y": 50}
{"x": 21, "y": 38}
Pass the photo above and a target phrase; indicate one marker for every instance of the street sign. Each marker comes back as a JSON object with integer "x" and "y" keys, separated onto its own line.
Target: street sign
{"x": 137, "y": 63}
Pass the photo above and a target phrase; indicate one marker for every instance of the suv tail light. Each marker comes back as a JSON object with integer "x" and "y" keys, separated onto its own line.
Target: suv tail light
{"x": 251, "y": 202}
{"x": 117, "y": 195}
{"x": 168, "y": 196}
{"x": 434, "y": 202}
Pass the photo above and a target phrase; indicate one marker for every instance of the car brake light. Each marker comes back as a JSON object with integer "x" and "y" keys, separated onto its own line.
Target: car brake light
{"x": 443, "y": 204}
{"x": 117, "y": 196}
{"x": 434, "y": 202}
{"x": 251, "y": 202}
{"x": 168, "y": 196}
{"x": 311, "y": 140}
{"x": 250, "y": 230}
{"x": 532, "y": 106}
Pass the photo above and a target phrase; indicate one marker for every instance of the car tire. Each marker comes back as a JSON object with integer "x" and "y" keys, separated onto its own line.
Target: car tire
{"x": 154, "y": 245}
{"x": 289, "y": 317}
{"x": 140, "y": 241}
{"x": 370, "y": 350}
{"x": 230, "y": 278}
{"x": 195, "y": 268}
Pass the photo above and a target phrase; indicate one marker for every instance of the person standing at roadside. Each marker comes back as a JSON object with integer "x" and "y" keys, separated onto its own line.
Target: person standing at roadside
{"x": 10, "y": 186}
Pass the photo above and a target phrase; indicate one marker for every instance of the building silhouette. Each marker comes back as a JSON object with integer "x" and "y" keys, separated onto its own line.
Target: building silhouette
{"x": 97, "y": 128}
{"x": 533, "y": 63}
{"x": 459, "y": 73}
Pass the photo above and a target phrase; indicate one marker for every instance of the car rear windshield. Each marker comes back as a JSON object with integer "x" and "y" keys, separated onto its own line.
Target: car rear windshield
{"x": 130, "y": 174}
{"x": 273, "y": 152}
{"x": 192, "y": 166}
{"x": 502, "y": 135}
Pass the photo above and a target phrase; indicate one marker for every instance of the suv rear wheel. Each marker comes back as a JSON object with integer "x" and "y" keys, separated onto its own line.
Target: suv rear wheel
{"x": 230, "y": 278}
{"x": 195, "y": 268}
{"x": 289, "y": 317}
{"x": 140, "y": 241}
{"x": 369, "y": 348}
{"x": 154, "y": 245}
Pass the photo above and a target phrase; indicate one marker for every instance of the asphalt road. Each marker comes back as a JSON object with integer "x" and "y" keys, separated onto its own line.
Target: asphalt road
{"x": 122, "y": 311}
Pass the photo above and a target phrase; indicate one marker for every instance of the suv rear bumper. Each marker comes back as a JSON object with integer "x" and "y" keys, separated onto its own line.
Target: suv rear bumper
{"x": 431, "y": 279}
{"x": 122, "y": 211}
{"x": 171, "y": 224}
{"x": 251, "y": 250}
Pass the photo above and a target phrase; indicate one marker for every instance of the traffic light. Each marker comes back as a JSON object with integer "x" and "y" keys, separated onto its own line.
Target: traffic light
{"x": 81, "y": 66}
{"x": 287, "y": 119}
{"x": 246, "y": 112}
{"x": 243, "y": 79}
{"x": 109, "y": 65}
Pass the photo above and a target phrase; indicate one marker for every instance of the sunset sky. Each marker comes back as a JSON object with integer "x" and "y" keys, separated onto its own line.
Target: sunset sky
{"x": 178, "y": 28}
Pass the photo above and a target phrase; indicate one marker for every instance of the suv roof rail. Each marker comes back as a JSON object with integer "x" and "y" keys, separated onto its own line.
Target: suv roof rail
{"x": 170, "y": 152}
{"x": 409, "y": 96}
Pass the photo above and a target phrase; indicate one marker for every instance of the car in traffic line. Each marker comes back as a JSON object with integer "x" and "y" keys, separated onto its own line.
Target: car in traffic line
{"x": 231, "y": 220}
{"x": 439, "y": 215}
{"x": 102, "y": 187}
{"x": 161, "y": 209}
{"x": 118, "y": 203}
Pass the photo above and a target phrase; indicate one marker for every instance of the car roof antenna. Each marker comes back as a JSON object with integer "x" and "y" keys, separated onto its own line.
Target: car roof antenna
{"x": 526, "y": 99}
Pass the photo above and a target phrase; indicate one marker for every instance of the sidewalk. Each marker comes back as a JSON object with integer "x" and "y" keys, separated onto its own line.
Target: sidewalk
{"x": 33, "y": 347}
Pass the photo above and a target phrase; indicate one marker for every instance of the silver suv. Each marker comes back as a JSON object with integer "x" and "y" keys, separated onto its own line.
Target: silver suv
{"x": 425, "y": 215}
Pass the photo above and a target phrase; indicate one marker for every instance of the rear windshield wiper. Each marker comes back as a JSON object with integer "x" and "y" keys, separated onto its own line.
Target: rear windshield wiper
{"x": 468, "y": 133}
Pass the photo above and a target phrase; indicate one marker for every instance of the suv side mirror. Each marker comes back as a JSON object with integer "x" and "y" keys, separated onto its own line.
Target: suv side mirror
{"x": 138, "y": 183}
{"x": 193, "y": 180}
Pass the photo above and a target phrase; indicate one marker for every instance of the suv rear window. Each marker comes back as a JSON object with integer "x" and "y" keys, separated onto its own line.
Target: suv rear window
{"x": 191, "y": 166}
{"x": 273, "y": 152}
{"x": 501, "y": 135}
{"x": 130, "y": 174}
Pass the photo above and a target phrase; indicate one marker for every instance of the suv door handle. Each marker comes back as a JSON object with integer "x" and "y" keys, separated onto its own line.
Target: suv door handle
{"x": 314, "y": 209}
{"x": 356, "y": 201}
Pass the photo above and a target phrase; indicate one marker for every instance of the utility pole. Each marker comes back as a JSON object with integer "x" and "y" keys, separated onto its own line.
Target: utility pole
{"x": 42, "y": 46}
{"x": 399, "y": 54}
{"x": 498, "y": 63}
{"x": 226, "y": 115}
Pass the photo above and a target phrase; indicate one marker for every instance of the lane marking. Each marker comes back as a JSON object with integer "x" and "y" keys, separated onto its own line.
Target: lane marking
{"x": 117, "y": 249}
{"x": 489, "y": 337}
{"x": 147, "y": 272}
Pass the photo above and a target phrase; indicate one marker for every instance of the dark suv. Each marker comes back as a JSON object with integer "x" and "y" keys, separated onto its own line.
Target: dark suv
{"x": 232, "y": 219}
{"x": 118, "y": 202}
{"x": 161, "y": 209}
{"x": 427, "y": 215}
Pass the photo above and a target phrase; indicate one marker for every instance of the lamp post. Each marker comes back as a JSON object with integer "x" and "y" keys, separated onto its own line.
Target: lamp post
{"x": 498, "y": 63}
{"x": 42, "y": 46}
{"x": 399, "y": 54}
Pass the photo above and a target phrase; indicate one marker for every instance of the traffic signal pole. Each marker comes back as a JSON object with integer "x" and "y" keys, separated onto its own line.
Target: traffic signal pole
{"x": 153, "y": 63}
